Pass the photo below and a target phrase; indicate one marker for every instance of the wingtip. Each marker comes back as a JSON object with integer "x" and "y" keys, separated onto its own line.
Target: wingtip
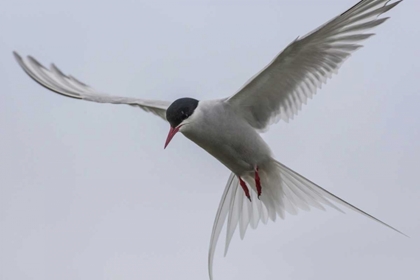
{"x": 402, "y": 233}
{"x": 398, "y": 2}
{"x": 17, "y": 56}
{"x": 32, "y": 59}
{"x": 56, "y": 69}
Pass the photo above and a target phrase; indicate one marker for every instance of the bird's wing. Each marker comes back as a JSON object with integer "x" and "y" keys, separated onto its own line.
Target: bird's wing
{"x": 54, "y": 80}
{"x": 283, "y": 190}
{"x": 279, "y": 90}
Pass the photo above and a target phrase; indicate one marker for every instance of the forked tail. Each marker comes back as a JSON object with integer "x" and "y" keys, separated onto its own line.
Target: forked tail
{"x": 283, "y": 190}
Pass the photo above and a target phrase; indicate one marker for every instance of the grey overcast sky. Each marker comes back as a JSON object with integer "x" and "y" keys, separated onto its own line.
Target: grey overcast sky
{"x": 87, "y": 191}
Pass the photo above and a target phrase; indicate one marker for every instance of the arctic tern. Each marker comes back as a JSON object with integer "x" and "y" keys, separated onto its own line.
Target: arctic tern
{"x": 259, "y": 187}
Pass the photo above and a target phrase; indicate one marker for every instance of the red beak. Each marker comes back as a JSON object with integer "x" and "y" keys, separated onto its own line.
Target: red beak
{"x": 171, "y": 135}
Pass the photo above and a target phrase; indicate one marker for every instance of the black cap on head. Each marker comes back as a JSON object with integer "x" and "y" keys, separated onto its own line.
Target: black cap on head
{"x": 180, "y": 110}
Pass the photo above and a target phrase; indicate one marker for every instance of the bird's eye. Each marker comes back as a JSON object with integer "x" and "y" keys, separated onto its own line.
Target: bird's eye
{"x": 185, "y": 115}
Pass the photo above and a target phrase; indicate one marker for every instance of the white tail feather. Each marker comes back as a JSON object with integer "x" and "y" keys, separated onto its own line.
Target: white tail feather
{"x": 283, "y": 190}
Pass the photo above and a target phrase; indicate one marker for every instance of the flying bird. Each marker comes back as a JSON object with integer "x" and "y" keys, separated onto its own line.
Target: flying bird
{"x": 259, "y": 188}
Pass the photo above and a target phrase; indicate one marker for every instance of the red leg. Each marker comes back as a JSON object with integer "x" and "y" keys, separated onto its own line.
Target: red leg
{"x": 245, "y": 188}
{"x": 257, "y": 182}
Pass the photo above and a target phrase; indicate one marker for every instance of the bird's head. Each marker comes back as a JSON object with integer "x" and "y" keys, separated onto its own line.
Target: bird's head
{"x": 178, "y": 113}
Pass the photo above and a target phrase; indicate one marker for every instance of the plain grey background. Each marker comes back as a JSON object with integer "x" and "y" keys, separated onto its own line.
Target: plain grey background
{"x": 87, "y": 191}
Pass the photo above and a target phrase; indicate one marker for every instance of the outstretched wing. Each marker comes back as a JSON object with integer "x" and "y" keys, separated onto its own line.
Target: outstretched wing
{"x": 54, "y": 80}
{"x": 280, "y": 89}
{"x": 284, "y": 190}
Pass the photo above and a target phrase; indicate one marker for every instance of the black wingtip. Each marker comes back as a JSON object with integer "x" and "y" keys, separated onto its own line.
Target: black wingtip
{"x": 403, "y": 232}
{"x": 17, "y": 56}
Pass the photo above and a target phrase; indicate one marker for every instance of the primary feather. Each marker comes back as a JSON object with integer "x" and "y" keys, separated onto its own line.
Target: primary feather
{"x": 54, "y": 80}
{"x": 280, "y": 89}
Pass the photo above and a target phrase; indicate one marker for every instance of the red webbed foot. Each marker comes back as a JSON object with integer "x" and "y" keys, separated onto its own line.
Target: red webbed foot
{"x": 258, "y": 182}
{"x": 245, "y": 188}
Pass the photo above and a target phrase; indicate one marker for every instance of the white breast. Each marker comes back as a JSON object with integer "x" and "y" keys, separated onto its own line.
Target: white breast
{"x": 226, "y": 136}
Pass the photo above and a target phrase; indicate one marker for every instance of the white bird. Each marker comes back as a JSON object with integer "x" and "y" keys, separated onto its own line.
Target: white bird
{"x": 259, "y": 187}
